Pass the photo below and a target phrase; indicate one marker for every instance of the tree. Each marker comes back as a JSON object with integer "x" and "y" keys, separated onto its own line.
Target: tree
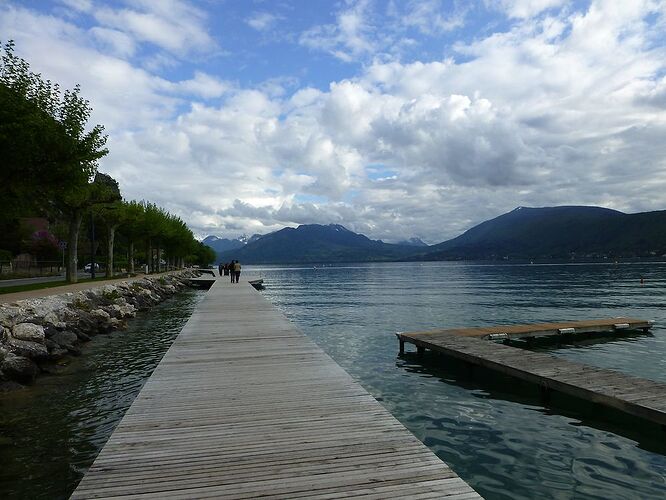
{"x": 113, "y": 215}
{"x": 73, "y": 204}
{"x": 132, "y": 227}
{"x": 51, "y": 156}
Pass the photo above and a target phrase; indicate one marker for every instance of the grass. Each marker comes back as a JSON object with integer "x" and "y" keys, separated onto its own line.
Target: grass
{"x": 49, "y": 284}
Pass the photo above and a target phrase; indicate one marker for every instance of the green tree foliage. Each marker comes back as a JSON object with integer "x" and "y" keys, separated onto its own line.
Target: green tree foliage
{"x": 51, "y": 155}
{"x": 201, "y": 255}
{"x": 48, "y": 166}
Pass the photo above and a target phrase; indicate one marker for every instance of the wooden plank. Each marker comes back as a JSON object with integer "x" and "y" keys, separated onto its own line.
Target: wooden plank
{"x": 244, "y": 405}
{"x": 641, "y": 398}
{"x": 544, "y": 329}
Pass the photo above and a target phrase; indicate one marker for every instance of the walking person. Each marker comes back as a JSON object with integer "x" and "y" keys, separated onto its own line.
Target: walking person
{"x": 231, "y": 270}
{"x": 237, "y": 270}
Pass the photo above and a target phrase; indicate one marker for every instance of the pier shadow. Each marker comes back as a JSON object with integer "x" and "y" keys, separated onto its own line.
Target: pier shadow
{"x": 647, "y": 435}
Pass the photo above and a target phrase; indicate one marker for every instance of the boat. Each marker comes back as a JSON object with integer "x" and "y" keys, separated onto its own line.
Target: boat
{"x": 257, "y": 284}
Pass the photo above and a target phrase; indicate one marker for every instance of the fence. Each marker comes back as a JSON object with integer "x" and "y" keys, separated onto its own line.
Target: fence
{"x": 29, "y": 269}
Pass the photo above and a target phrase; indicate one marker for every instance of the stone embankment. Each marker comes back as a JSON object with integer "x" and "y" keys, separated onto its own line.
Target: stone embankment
{"x": 36, "y": 334}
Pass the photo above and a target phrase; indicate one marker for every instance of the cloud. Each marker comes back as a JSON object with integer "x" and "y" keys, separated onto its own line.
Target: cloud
{"x": 524, "y": 9}
{"x": 430, "y": 17}
{"x": 564, "y": 106}
{"x": 348, "y": 39}
{"x": 262, "y": 21}
{"x": 205, "y": 86}
{"x": 174, "y": 26}
{"x": 118, "y": 42}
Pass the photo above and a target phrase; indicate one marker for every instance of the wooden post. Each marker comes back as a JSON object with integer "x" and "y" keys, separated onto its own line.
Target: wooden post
{"x": 420, "y": 350}
{"x": 402, "y": 345}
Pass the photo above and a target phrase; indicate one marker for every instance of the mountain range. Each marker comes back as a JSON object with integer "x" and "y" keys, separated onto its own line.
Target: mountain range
{"x": 310, "y": 243}
{"x": 550, "y": 233}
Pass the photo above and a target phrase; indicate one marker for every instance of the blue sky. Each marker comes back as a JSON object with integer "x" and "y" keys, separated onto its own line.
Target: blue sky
{"x": 393, "y": 118}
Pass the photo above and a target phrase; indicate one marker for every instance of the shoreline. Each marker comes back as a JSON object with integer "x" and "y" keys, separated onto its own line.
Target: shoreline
{"x": 37, "y": 333}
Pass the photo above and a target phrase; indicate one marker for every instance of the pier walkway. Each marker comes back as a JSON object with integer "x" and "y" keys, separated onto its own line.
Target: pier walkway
{"x": 634, "y": 396}
{"x": 243, "y": 405}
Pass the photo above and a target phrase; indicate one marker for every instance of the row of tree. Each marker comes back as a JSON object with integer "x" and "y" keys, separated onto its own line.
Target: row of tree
{"x": 49, "y": 157}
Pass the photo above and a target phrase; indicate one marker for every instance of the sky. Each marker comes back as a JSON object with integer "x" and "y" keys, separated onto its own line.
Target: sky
{"x": 394, "y": 118}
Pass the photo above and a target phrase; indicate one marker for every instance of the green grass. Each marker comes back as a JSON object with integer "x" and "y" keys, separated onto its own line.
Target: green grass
{"x": 49, "y": 284}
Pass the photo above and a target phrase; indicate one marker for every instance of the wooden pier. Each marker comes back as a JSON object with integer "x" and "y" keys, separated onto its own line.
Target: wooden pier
{"x": 634, "y": 396}
{"x": 243, "y": 405}
{"x": 534, "y": 330}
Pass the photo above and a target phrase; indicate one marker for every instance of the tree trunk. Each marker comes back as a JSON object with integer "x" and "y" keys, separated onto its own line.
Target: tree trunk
{"x": 159, "y": 257}
{"x": 110, "y": 237}
{"x": 131, "y": 256}
{"x": 73, "y": 246}
{"x": 149, "y": 257}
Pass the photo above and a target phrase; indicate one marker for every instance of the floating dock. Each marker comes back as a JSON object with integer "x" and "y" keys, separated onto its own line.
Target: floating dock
{"x": 534, "y": 330}
{"x": 635, "y": 396}
{"x": 243, "y": 405}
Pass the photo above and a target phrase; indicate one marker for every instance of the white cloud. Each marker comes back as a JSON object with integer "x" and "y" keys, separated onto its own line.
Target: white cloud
{"x": 429, "y": 16}
{"x": 206, "y": 86}
{"x": 349, "y": 38}
{"x": 262, "y": 21}
{"x": 118, "y": 42}
{"x": 79, "y": 5}
{"x": 523, "y": 9}
{"x": 561, "y": 108}
{"x": 177, "y": 31}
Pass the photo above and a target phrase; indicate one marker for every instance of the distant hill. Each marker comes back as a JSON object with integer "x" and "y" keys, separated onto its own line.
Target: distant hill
{"x": 222, "y": 244}
{"x": 557, "y": 233}
{"x": 316, "y": 243}
{"x": 413, "y": 242}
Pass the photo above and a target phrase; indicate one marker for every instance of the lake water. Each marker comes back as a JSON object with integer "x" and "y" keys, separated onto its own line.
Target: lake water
{"x": 51, "y": 432}
{"x": 493, "y": 431}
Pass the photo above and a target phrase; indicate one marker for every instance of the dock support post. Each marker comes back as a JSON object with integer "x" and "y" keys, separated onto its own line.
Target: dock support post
{"x": 545, "y": 394}
{"x": 419, "y": 351}
{"x": 402, "y": 345}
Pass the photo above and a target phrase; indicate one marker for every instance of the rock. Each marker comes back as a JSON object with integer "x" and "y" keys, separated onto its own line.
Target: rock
{"x": 121, "y": 311}
{"x": 50, "y": 331}
{"x": 82, "y": 336}
{"x": 52, "y": 320}
{"x": 11, "y": 314}
{"x": 55, "y": 351}
{"x": 25, "y": 348}
{"x": 67, "y": 340}
{"x": 20, "y": 369}
{"x": 29, "y": 332}
{"x": 10, "y": 386}
{"x": 100, "y": 315}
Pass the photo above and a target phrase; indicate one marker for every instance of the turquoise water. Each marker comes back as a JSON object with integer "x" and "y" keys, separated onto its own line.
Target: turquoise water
{"x": 492, "y": 430}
